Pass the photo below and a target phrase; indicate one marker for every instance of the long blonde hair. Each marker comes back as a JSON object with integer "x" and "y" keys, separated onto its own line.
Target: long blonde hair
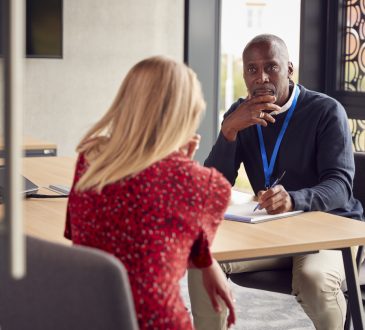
{"x": 156, "y": 110}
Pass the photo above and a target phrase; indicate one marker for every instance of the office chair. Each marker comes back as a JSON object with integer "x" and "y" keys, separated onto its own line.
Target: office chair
{"x": 66, "y": 288}
{"x": 359, "y": 193}
{"x": 280, "y": 280}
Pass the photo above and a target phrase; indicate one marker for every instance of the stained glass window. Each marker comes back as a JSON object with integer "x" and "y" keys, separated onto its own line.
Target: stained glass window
{"x": 353, "y": 59}
{"x": 358, "y": 134}
{"x": 354, "y": 47}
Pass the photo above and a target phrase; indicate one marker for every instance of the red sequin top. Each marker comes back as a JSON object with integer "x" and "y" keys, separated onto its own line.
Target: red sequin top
{"x": 154, "y": 223}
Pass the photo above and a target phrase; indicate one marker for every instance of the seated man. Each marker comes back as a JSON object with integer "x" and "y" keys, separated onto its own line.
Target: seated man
{"x": 281, "y": 127}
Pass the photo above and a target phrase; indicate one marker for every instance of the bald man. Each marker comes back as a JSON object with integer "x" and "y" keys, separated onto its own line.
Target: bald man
{"x": 281, "y": 127}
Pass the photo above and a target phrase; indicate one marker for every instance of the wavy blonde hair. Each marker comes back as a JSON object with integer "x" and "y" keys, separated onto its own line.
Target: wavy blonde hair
{"x": 156, "y": 111}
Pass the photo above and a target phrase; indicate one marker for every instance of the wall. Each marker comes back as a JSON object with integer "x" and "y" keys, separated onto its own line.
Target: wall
{"x": 1, "y": 97}
{"x": 102, "y": 39}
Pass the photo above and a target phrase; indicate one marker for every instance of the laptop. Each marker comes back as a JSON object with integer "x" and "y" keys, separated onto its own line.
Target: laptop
{"x": 28, "y": 188}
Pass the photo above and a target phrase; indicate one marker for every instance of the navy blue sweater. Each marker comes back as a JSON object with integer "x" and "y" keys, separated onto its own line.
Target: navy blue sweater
{"x": 316, "y": 153}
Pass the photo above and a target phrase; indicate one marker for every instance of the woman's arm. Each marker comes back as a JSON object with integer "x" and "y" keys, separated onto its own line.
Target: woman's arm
{"x": 216, "y": 285}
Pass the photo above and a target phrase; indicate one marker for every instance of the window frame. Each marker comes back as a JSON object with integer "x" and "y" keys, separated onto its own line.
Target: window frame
{"x": 352, "y": 101}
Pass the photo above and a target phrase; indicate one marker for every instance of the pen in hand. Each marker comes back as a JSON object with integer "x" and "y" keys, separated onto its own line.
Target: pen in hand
{"x": 275, "y": 183}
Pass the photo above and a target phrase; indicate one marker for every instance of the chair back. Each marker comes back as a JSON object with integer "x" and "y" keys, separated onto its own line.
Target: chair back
{"x": 67, "y": 287}
{"x": 359, "y": 179}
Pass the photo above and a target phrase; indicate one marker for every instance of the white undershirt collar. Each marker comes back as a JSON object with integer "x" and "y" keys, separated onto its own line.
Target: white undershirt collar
{"x": 287, "y": 105}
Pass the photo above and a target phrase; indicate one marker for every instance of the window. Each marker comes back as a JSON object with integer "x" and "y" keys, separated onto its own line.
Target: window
{"x": 241, "y": 20}
{"x": 43, "y": 28}
{"x": 346, "y": 71}
{"x": 353, "y": 69}
{"x": 353, "y": 54}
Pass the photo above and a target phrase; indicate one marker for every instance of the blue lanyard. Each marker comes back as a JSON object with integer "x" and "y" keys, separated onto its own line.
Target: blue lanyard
{"x": 269, "y": 169}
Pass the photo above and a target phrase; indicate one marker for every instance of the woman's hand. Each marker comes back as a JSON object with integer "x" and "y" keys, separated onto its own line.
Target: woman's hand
{"x": 216, "y": 285}
{"x": 192, "y": 146}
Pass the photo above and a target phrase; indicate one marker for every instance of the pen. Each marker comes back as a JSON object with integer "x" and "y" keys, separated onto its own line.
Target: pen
{"x": 275, "y": 183}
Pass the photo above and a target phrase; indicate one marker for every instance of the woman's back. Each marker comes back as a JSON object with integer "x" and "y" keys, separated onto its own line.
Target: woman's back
{"x": 153, "y": 222}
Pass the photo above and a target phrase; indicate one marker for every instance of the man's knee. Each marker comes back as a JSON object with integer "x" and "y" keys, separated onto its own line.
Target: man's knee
{"x": 315, "y": 283}
{"x": 205, "y": 317}
{"x": 226, "y": 267}
{"x": 319, "y": 293}
{"x": 199, "y": 298}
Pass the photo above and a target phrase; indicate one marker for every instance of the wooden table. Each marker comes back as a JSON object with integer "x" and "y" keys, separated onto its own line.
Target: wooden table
{"x": 303, "y": 233}
{"x": 34, "y": 147}
{"x": 45, "y": 218}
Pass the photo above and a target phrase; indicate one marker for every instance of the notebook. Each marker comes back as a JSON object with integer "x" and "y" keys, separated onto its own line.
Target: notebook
{"x": 61, "y": 189}
{"x": 242, "y": 210}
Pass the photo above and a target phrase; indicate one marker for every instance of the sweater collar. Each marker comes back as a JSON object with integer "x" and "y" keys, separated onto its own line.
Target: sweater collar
{"x": 288, "y": 104}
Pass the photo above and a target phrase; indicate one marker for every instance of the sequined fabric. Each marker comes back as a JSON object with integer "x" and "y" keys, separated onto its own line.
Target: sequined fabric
{"x": 153, "y": 222}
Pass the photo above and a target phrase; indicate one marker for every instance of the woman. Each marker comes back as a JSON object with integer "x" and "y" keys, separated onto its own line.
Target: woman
{"x": 138, "y": 195}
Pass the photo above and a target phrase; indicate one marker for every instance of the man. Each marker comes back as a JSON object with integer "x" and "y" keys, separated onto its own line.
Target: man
{"x": 281, "y": 127}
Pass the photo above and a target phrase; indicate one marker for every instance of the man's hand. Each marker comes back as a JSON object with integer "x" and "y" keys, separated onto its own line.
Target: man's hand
{"x": 216, "y": 285}
{"x": 275, "y": 200}
{"x": 248, "y": 114}
{"x": 192, "y": 146}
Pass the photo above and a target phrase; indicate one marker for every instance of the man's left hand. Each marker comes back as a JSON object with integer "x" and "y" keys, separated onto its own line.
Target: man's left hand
{"x": 275, "y": 200}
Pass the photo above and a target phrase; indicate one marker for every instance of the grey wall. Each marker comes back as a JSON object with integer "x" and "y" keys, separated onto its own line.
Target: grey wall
{"x": 102, "y": 39}
{"x": 203, "y": 56}
{"x": 1, "y": 96}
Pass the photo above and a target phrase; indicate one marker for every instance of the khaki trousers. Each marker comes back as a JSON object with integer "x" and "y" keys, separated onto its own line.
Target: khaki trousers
{"x": 316, "y": 284}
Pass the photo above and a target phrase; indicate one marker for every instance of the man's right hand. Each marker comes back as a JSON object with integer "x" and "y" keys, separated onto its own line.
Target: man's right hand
{"x": 248, "y": 114}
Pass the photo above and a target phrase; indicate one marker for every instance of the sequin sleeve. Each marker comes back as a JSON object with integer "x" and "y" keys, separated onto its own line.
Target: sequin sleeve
{"x": 79, "y": 169}
{"x": 218, "y": 192}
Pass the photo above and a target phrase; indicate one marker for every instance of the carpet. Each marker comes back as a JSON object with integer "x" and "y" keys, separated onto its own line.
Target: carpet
{"x": 262, "y": 310}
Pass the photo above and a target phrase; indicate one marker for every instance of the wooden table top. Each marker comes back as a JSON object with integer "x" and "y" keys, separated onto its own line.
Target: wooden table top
{"x": 308, "y": 231}
{"x": 30, "y": 143}
{"x": 305, "y": 232}
{"x": 45, "y": 218}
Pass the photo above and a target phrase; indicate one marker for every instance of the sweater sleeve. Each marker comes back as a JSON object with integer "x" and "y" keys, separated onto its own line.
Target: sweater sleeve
{"x": 218, "y": 195}
{"x": 224, "y": 155}
{"x": 335, "y": 165}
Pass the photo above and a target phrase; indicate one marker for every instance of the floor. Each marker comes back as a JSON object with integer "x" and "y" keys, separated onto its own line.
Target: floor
{"x": 263, "y": 310}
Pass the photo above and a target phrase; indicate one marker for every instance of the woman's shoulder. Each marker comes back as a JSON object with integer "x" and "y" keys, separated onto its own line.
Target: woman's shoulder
{"x": 197, "y": 174}
{"x": 81, "y": 164}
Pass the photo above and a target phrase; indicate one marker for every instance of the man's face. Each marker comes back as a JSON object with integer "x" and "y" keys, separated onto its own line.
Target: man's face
{"x": 266, "y": 71}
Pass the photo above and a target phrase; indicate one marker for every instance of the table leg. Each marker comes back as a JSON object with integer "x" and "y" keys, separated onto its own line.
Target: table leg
{"x": 353, "y": 288}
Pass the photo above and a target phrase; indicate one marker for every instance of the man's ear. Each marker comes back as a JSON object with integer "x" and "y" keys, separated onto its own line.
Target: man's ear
{"x": 290, "y": 69}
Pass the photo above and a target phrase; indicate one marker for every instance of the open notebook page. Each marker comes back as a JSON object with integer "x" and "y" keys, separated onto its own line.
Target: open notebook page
{"x": 240, "y": 209}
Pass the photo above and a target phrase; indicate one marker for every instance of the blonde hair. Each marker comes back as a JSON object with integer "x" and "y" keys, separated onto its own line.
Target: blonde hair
{"x": 156, "y": 110}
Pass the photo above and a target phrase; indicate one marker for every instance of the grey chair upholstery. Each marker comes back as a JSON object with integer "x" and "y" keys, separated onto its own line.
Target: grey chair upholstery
{"x": 67, "y": 287}
{"x": 359, "y": 193}
{"x": 280, "y": 280}
{"x": 359, "y": 181}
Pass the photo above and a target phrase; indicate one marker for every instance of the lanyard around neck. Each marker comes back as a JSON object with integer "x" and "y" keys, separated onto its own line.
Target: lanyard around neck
{"x": 268, "y": 169}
